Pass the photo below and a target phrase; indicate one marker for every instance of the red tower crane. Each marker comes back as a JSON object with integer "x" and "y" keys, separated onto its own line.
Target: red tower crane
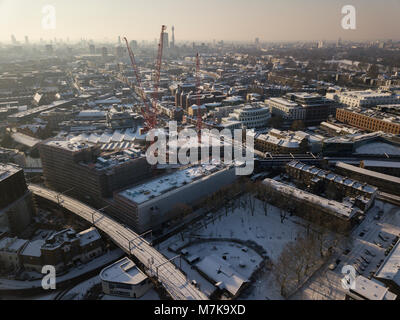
{"x": 149, "y": 111}
{"x": 146, "y": 111}
{"x": 158, "y": 72}
{"x": 199, "y": 116}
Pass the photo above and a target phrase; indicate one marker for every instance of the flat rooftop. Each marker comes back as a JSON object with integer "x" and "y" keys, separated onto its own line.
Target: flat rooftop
{"x": 285, "y": 102}
{"x": 68, "y": 145}
{"x": 7, "y": 170}
{"x": 390, "y": 269}
{"x": 157, "y": 187}
{"x": 372, "y": 290}
{"x": 123, "y": 271}
{"x": 40, "y": 109}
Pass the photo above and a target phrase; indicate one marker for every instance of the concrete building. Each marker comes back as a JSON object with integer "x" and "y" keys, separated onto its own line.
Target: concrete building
{"x": 366, "y": 289}
{"x": 389, "y": 271}
{"x": 365, "y": 98}
{"x": 149, "y": 205}
{"x": 12, "y": 156}
{"x": 124, "y": 279}
{"x": 92, "y": 173}
{"x": 16, "y": 206}
{"x": 10, "y": 249}
{"x": 329, "y": 213}
{"x": 384, "y": 182}
{"x": 311, "y": 108}
{"x": 285, "y": 108}
{"x": 62, "y": 250}
{"x": 335, "y": 186}
{"x": 370, "y": 119}
{"x": 250, "y": 116}
{"x": 280, "y": 142}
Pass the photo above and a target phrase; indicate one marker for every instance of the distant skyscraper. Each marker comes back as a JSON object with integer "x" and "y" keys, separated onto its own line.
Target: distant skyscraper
{"x": 133, "y": 44}
{"x": 119, "y": 51}
{"x": 173, "y": 37}
{"x": 49, "y": 49}
{"x": 13, "y": 39}
{"x": 119, "y": 39}
{"x": 92, "y": 49}
{"x": 26, "y": 40}
{"x": 104, "y": 52}
{"x": 166, "y": 40}
{"x": 257, "y": 41}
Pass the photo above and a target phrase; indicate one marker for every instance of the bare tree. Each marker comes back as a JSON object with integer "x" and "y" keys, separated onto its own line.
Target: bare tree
{"x": 283, "y": 271}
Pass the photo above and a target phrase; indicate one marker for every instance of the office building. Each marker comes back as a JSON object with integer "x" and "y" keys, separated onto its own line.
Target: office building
{"x": 16, "y": 206}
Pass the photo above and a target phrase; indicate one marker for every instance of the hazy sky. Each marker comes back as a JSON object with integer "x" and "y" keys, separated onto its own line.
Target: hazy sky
{"x": 269, "y": 20}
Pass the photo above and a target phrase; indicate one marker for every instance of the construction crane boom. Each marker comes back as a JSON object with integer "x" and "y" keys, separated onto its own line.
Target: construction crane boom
{"x": 149, "y": 111}
{"x": 199, "y": 116}
{"x": 146, "y": 111}
{"x": 158, "y": 72}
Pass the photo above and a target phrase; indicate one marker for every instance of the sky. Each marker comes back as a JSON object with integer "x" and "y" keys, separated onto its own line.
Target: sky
{"x": 201, "y": 20}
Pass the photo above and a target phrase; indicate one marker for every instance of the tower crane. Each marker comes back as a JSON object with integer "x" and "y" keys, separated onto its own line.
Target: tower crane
{"x": 149, "y": 110}
{"x": 199, "y": 125}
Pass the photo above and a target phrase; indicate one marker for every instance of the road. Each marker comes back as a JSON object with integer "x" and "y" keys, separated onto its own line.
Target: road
{"x": 172, "y": 279}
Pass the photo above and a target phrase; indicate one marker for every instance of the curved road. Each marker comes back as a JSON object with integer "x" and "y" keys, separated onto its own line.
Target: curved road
{"x": 173, "y": 280}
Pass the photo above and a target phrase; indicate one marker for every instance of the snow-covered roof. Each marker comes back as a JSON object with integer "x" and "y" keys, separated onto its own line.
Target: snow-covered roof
{"x": 370, "y": 173}
{"x": 12, "y": 244}
{"x": 89, "y": 235}
{"x": 162, "y": 185}
{"x": 221, "y": 272}
{"x": 7, "y": 170}
{"x": 123, "y": 271}
{"x": 341, "y": 210}
{"x": 333, "y": 177}
{"x": 390, "y": 269}
{"x": 33, "y": 248}
{"x": 372, "y": 290}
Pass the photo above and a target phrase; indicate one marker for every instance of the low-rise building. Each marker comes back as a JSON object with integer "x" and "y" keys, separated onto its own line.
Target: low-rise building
{"x": 365, "y": 289}
{"x": 330, "y": 213}
{"x": 310, "y": 108}
{"x": 280, "y": 142}
{"x": 62, "y": 249}
{"x": 10, "y": 248}
{"x": 334, "y": 185}
{"x": 384, "y": 182}
{"x": 16, "y": 206}
{"x": 124, "y": 279}
{"x": 365, "y": 98}
{"x": 389, "y": 271}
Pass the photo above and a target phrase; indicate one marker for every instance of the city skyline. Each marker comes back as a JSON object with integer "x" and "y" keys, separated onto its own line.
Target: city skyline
{"x": 267, "y": 20}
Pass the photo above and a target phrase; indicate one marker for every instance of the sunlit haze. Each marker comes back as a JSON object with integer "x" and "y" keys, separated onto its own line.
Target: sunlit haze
{"x": 206, "y": 20}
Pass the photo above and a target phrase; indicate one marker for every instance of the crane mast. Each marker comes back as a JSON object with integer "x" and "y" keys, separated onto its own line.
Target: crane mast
{"x": 199, "y": 117}
{"x": 146, "y": 112}
{"x": 149, "y": 111}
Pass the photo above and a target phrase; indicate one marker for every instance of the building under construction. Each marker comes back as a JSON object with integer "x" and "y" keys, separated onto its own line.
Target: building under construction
{"x": 89, "y": 174}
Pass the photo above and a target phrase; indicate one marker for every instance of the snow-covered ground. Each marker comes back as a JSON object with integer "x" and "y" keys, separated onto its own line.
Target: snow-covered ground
{"x": 326, "y": 284}
{"x": 265, "y": 230}
{"x": 241, "y": 259}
